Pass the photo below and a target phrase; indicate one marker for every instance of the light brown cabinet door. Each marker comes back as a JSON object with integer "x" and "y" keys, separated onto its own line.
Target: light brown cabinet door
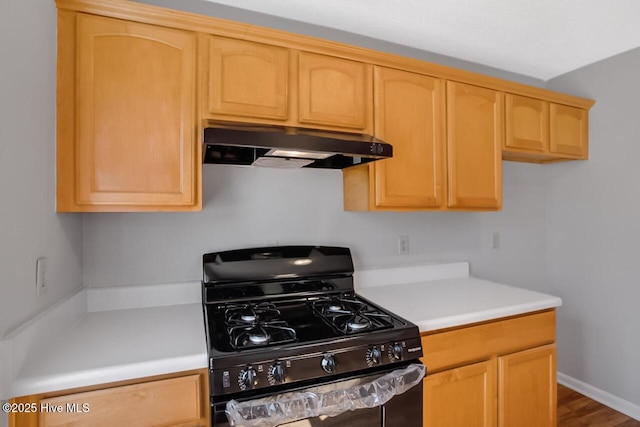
{"x": 475, "y": 123}
{"x": 527, "y": 384}
{"x": 246, "y": 79}
{"x": 334, "y": 92}
{"x": 409, "y": 112}
{"x": 135, "y": 116}
{"x": 527, "y": 123}
{"x": 461, "y": 397}
{"x": 569, "y": 129}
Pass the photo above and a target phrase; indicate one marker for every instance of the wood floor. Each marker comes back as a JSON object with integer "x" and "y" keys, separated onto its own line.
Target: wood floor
{"x": 576, "y": 410}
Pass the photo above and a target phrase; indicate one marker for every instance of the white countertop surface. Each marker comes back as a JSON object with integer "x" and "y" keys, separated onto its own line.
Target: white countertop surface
{"x": 108, "y": 334}
{"x": 445, "y": 303}
{"x": 115, "y": 345}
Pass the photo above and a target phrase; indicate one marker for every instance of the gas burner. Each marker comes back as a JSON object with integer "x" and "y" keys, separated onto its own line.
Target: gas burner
{"x": 358, "y": 323}
{"x": 349, "y": 315}
{"x": 260, "y": 334}
{"x": 249, "y": 314}
{"x": 258, "y": 338}
{"x": 255, "y": 325}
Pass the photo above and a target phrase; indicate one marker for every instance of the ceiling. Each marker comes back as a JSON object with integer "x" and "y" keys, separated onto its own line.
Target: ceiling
{"x": 536, "y": 38}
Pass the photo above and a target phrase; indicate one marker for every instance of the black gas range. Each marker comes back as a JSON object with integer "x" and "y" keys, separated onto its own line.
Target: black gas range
{"x": 283, "y": 322}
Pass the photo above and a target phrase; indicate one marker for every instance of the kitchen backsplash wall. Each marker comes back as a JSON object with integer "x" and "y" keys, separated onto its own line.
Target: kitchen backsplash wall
{"x": 246, "y": 207}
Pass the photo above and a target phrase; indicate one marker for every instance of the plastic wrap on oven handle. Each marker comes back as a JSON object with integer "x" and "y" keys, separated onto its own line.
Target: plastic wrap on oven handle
{"x": 289, "y": 407}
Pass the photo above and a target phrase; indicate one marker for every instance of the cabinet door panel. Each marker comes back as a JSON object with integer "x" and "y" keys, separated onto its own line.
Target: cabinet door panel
{"x": 135, "y": 114}
{"x": 527, "y": 123}
{"x": 527, "y": 387}
{"x": 247, "y": 79}
{"x": 569, "y": 127}
{"x": 459, "y": 397}
{"x": 334, "y": 92}
{"x": 409, "y": 110}
{"x": 475, "y": 118}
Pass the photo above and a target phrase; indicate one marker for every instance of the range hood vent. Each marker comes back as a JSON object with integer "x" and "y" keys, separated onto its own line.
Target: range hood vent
{"x": 290, "y": 147}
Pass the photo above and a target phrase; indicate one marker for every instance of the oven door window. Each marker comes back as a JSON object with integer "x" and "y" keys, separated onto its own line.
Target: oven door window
{"x": 370, "y": 417}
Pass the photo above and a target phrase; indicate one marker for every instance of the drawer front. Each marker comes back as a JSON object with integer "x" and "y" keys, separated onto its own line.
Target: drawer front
{"x": 456, "y": 347}
{"x": 174, "y": 401}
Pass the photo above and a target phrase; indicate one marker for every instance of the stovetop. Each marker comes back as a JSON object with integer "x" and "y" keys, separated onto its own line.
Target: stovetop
{"x": 281, "y": 316}
{"x": 241, "y": 326}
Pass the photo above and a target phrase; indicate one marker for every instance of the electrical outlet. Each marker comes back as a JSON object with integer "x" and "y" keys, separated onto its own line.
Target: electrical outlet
{"x": 403, "y": 245}
{"x": 495, "y": 240}
{"x": 41, "y": 275}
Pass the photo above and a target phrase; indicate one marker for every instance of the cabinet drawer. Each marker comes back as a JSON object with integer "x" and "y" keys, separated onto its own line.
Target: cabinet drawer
{"x": 174, "y": 401}
{"x": 455, "y": 347}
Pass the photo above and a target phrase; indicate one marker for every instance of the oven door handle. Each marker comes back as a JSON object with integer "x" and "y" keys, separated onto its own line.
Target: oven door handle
{"x": 310, "y": 403}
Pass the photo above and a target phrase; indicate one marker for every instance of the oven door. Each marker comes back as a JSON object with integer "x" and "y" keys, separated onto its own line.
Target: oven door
{"x": 388, "y": 399}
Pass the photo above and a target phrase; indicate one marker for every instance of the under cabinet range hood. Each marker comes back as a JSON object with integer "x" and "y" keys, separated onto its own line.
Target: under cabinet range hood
{"x": 290, "y": 147}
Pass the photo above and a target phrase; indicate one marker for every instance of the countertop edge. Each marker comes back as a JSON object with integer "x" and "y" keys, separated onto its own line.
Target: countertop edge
{"x": 109, "y": 374}
{"x": 487, "y": 315}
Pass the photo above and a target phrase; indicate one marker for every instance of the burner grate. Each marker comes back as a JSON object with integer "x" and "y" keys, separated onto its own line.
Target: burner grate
{"x": 256, "y": 325}
{"x": 348, "y": 315}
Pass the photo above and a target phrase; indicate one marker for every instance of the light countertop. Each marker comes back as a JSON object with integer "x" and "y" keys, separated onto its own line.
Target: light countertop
{"x": 122, "y": 334}
{"x": 116, "y": 345}
{"x": 449, "y": 302}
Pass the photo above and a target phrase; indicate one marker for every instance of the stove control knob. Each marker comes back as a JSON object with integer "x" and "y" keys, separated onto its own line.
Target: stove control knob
{"x": 395, "y": 352}
{"x": 247, "y": 378}
{"x": 374, "y": 356}
{"x": 276, "y": 374}
{"x": 329, "y": 363}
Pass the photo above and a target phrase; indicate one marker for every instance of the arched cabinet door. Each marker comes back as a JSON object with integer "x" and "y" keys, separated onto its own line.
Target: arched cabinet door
{"x": 409, "y": 114}
{"x": 569, "y": 131}
{"x": 527, "y": 123}
{"x": 334, "y": 92}
{"x": 134, "y": 146}
{"x": 246, "y": 79}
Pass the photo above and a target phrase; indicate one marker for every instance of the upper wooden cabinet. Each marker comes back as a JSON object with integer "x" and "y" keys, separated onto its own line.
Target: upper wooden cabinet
{"x": 569, "y": 129}
{"x": 409, "y": 111}
{"x": 334, "y": 92}
{"x": 138, "y": 83}
{"x": 262, "y": 84}
{"x": 527, "y": 123}
{"x": 425, "y": 173}
{"x": 126, "y": 116}
{"x": 541, "y": 131}
{"x": 246, "y": 79}
{"x": 475, "y": 118}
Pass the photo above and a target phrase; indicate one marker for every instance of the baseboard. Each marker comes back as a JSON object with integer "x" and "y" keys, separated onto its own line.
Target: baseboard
{"x": 608, "y": 399}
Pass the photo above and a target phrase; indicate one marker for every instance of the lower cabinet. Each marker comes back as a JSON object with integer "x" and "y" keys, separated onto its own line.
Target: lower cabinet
{"x": 173, "y": 400}
{"x": 462, "y": 396}
{"x": 500, "y": 373}
{"x": 527, "y": 388}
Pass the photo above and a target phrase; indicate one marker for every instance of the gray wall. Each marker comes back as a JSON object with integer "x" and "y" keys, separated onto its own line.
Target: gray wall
{"x": 29, "y": 227}
{"x": 258, "y": 206}
{"x": 593, "y": 233}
